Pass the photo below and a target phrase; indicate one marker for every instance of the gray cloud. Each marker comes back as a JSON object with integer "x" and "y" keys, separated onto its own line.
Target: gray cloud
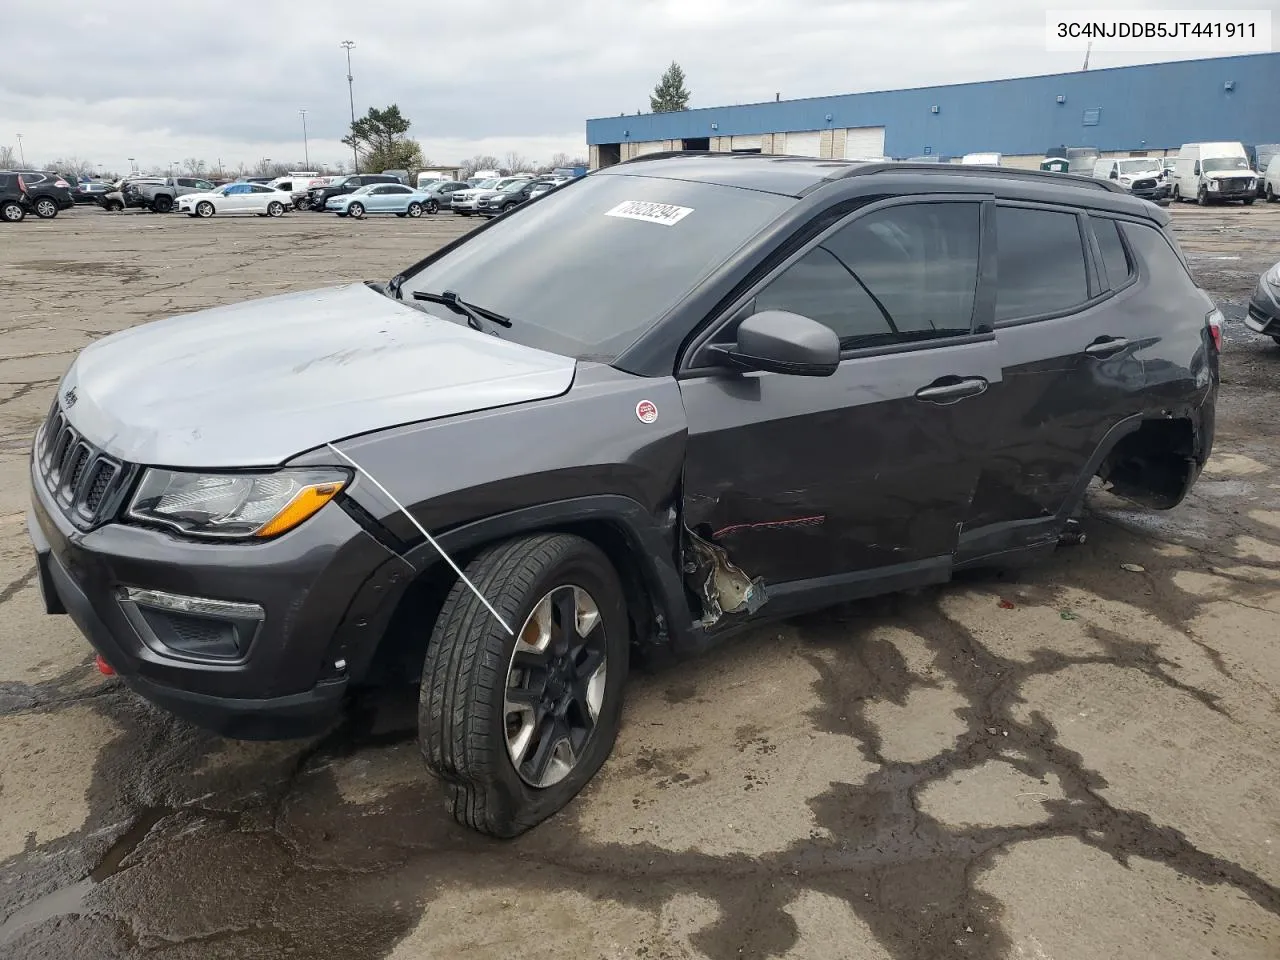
{"x": 164, "y": 80}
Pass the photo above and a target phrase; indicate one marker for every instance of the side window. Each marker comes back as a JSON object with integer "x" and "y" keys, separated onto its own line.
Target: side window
{"x": 204, "y": 185}
{"x": 896, "y": 275}
{"x": 287, "y": 185}
{"x": 1115, "y": 259}
{"x": 1040, "y": 264}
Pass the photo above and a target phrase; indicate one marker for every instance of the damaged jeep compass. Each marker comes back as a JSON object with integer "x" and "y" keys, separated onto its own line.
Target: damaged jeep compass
{"x": 672, "y": 398}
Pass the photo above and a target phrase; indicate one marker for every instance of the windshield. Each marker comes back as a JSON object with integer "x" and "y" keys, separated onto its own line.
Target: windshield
{"x": 515, "y": 186}
{"x": 1137, "y": 166}
{"x": 586, "y": 272}
{"x": 486, "y": 184}
{"x": 1224, "y": 163}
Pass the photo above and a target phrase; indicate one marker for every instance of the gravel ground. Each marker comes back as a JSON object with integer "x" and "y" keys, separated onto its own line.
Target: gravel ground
{"x": 1077, "y": 762}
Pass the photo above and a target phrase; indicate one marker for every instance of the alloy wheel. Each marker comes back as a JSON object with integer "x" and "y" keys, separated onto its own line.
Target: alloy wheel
{"x": 555, "y": 685}
{"x": 46, "y": 208}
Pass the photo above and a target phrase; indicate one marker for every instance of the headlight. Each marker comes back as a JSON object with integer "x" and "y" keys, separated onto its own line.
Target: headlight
{"x": 228, "y": 505}
{"x": 1253, "y": 185}
{"x": 1212, "y": 185}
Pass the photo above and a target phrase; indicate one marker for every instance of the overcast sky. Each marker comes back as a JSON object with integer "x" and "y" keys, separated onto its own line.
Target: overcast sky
{"x": 164, "y": 81}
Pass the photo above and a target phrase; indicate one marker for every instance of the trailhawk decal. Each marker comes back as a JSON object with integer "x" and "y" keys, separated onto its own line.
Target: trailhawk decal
{"x": 666, "y": 214}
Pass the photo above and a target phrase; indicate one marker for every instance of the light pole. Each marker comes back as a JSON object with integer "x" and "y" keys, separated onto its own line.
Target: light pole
{"x": 351, "y": 96}
{"x": 21, "y": 153}
{"x": 306, "y": 154}
{"x": 133, "y": 167}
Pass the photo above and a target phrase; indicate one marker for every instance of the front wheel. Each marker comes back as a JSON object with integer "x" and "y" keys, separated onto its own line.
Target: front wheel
{"x": 162, "y": 204}
{"x": 433, "y": 207}
{"x": 1202, "y": 197}
{"x": 302, "y": 204}
{"x": 356, "y": 210}
{"x": 204, "y": 209}
{"x": 1249, "y": 201}
{"x": 1271, "y": 196}
{"x": 275, "y": 209}
{"x": 415, "y": 210}
{"x": 516, "y": 725}
{"x": 463, "y": 213}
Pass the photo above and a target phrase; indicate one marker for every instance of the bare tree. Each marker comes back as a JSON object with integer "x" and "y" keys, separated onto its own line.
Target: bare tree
{"x": 481, "y": 162}
{"x": 8, "y": 158}
{"x": 71, "y": 166}
{"x": 195, "y": 167}
{"x": 515, "y": 162}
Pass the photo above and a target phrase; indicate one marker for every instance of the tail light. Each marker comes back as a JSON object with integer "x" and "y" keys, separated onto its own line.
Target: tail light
{"x": 1213, "y": 320}
{"x": 22, "y": 184}
{"x": 62, "y": 183}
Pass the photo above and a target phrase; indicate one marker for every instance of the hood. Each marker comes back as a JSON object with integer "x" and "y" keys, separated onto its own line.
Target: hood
{"x": 202, "y": 195}
{"x": 255, "y": 383}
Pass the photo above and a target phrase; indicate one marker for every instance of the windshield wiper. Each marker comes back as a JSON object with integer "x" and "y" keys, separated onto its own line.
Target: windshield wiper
{"x": 469, "y": 310}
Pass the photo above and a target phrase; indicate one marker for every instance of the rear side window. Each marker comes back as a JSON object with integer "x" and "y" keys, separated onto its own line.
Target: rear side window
{"x": 896, "y": 275}
{"x": 1156, "y": 253}
{"x": 1115, "y": 259}
{"x": 1040, "y": 264}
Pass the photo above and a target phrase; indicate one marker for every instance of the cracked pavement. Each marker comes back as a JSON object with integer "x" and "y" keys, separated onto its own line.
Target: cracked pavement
{"x": 1076, "y": 761}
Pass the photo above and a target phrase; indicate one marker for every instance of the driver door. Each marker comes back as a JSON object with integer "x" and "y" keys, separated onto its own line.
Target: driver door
{"x": 828, "y": 483}
{"x": 234, "y": 198}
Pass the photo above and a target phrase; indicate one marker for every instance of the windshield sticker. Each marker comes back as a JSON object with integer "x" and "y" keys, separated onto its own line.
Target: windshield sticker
{"x": 663, "y": 213}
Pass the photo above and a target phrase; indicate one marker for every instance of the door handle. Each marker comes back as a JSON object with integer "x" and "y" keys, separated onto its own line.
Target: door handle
{"x": 951, "y": 389}
{"x": 1105, "y": 347}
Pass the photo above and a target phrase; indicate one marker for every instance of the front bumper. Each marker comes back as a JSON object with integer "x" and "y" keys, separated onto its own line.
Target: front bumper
{"x": 1264, "y": 310}
{"x": 284, "y": 683}
{"x": 467, "y": 206}
{"x": 1155, "y": 194}
{"x": 1232, "y": 190}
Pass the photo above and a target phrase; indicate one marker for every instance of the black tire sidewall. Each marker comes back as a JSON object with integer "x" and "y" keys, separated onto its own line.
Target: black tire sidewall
{"x": 433, "y": 207}
{"x": 516, "y": 805}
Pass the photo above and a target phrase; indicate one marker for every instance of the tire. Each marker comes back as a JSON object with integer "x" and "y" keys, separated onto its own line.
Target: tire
{"x": 1271, "y": 195}
{"x": 1276, "y": 337}
{"x": 12, "y": 212}
{"x": 414, "y": 210}
{"x": 302, "y": 204}
{"x": 162, "y": 204}
{"x": 340, "y": 213}
{"x": 356, "y": 210}
{"x": 1177, "y": 194}
{"x": 463, "y": 709}
{"x": 433, "y": 207}
{"x": 275, "y": 209}
{"x": 1202, "y": 197}
{"x": 463, "y": 213}
{"x": 46, "y": 208}
{"x": 1248, "y": 202}
{"x": 205, "y": 209}
{"x": 112, "y": 206}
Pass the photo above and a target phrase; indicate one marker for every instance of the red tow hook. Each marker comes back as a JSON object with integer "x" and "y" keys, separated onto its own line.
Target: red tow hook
{"x": 104, "y": 668}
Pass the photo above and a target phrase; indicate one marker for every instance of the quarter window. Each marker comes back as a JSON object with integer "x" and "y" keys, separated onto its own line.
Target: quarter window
{"x": 897, "y": 275}
{"x": 1114, "y": 258}
{"x": 1040, "y": 265}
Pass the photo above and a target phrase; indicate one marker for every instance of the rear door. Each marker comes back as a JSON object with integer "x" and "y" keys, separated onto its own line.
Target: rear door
{"x": 1072, "y": 369}
{"x": 869, "y": 472}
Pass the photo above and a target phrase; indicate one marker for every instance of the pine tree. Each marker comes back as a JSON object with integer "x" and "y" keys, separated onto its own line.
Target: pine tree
{"x": 670, "y": 94}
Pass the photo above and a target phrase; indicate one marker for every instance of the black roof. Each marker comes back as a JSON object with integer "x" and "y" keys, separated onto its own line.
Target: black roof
{"x": 798, "y": 176}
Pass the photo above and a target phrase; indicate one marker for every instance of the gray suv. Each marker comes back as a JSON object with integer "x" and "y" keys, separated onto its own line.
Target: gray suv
{"x": 668, "y": 400}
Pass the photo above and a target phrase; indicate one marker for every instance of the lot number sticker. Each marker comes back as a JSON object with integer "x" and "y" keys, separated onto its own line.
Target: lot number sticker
{"x": 666, "y": 214}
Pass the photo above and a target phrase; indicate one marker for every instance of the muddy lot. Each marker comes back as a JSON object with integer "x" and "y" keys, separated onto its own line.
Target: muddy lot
{"x": 1081, "y": 761}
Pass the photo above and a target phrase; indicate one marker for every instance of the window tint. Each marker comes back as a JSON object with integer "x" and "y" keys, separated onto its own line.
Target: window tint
{"x": 905, "y": 273}
{"x": 259, "y": 188}
{"x": 284, "y": 186}
{"x": 1040, "y": 267}
{"x": 204, "y": 184}
{"x": 1114, "y": 257}
{"x": 400, "y": 189}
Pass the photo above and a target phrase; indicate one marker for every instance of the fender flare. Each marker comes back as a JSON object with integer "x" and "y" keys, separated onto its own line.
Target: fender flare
{"x": 649, "y": 541}
{"x": 1108, "y": 443}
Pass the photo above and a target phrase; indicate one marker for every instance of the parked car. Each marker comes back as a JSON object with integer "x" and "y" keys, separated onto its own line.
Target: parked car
{"x": 440, "y": 193}
{"x": 510, "y": 196}
{"x": 15, "y": 202}
{"x": 236, "y": 198}
{"x": 1170, "y": 166}
{"x": 50, "y": 192}
{"x": 298, "y": 185}
{"x": 463, "y": 202}
{"x": 814, "y": 382}
{"x": 337, "y": 186}
{"x": 546, "y": 185}
{"x": 1214, "y": 173}
{"x": 382, "y": 198}
{"x": 90, "y": 191}
{"x": 162, "y": 197}
{"x": 1264, "y": 305}
{"x": 1271, "y": 180}
{"x": 1141, "y": 176}
{"x": 1259, "y": 156}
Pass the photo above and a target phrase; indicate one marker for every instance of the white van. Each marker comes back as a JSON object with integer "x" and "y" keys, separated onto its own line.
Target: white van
{"x": 1210, "y": 172}
{"x": 1271, "y": 180}
{"x": 1141, "y": 176}
{"x": 427, "y": 177}
{"x": 989, "y": 159}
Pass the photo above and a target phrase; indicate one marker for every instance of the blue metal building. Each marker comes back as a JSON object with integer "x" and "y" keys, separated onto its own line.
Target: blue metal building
{"x": 1152, "y": 107}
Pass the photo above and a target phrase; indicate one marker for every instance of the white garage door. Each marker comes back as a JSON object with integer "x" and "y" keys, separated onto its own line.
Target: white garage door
{"x": 650, "y": 146}
{"x": 750, "y": 142}
{"x": 864, "y": 142}
{"x": 807, "y": 144}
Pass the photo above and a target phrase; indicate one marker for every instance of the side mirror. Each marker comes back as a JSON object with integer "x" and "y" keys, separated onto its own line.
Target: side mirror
{"x": 1196, "y": 171}
{"x": 780, "y": 342}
